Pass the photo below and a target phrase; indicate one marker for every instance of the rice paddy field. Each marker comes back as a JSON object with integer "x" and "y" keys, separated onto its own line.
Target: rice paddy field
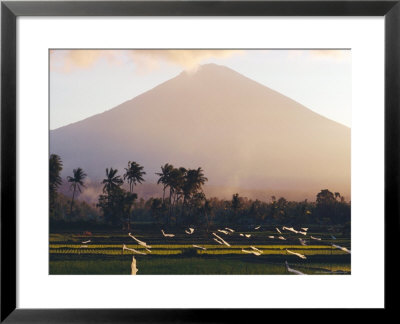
{"x": 198, "y": 253}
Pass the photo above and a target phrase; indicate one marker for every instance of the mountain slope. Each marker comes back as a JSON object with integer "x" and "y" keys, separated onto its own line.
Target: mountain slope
{"x": 240, "y": 132}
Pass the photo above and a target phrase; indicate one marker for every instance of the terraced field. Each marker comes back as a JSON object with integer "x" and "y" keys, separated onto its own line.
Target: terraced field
{"x": 199, "y": 253}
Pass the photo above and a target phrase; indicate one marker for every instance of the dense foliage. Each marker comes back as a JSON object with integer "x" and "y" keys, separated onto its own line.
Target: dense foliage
{"x": 55, "y": 168}
{"x": 184, "y": 203}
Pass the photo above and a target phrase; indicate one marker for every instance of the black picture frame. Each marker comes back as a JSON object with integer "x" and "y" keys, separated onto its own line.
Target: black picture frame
{"x": 11, "y": 10}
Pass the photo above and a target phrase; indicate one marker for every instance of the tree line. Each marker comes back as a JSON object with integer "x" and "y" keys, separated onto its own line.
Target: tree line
{"x": 183, "y": 201}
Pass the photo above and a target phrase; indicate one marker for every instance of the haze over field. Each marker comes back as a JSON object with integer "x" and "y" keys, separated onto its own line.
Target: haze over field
{"x": 243, "y": 135}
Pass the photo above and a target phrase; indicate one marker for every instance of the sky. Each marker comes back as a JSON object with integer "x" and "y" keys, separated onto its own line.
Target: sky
{"x": 84, "y": 83}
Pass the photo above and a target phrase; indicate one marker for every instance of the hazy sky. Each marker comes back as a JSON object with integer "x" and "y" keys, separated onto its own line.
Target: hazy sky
{"x": 87, "y": 82}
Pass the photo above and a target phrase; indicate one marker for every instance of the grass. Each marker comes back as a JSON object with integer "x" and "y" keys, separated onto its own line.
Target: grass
{"x": 104, "y": 254}
{"x": 186, "y": 246}
{"x": 189, "y": 265}
{"x": 113, "y": 249}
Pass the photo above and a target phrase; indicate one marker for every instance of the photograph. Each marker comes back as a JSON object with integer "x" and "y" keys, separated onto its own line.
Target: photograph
{"x": 200, "y": 161}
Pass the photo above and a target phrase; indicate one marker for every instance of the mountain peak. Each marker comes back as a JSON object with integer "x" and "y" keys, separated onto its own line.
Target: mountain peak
{"x": 243, "y": 134}
{"x": 210, "y": 69}
{"x": 213, "y": 66}
{"x": 215, "y": 76}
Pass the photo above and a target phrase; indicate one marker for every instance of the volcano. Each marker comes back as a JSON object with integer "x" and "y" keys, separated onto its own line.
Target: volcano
{"x": 242, "y": 133}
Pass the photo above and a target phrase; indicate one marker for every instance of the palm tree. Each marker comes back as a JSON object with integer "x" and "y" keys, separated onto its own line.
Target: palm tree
{"x": 199, "y": 179}
{"x": 134, "y": 174}
{"x": 164, "y": 179}
{"x": 112, "y": 181}
{"x": 55, "y": 167}
{"x": 176, "y": 180}
{"x": 194, "y": 179}
{"x": 76, "y": 183}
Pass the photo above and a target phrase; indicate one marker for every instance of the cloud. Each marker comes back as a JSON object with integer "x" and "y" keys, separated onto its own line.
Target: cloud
{"x": 331, "y": 54}
{"x": 68, "y": 60}
{"x": 321, "y": 54}
{"x": 144, "y": 60}
{"x": 187, "y": 59}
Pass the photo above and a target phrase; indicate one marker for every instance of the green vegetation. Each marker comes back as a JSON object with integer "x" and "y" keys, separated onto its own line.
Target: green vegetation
{"x": 88, "y": 239}
{"x": 116, "y": 203}
{"x": 76, "y": 183}
{"x": 187, "y": 265}
{"x": 104, "y": 254}
{"x": 55, "y": 167}
{"x": 179, "y": 249}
